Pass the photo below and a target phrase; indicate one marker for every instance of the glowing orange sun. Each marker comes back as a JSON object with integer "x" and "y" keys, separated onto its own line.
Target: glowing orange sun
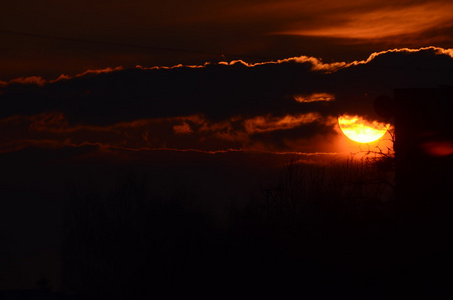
{"x": 360, "y": 130}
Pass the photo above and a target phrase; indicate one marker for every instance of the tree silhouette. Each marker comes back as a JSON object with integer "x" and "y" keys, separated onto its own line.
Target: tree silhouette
{"x": 44, "y": 285}
{"x": 130, "y": 244}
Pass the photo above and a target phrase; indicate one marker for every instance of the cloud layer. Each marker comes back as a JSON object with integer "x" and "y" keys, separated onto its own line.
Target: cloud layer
{"x": 281, "y": 106}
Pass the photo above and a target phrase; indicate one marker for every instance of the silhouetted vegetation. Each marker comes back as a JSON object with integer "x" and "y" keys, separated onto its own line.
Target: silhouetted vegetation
{"x": 329, "y": 230}
{"x": 44, "y": 285}
{"x": 128, "y": 244}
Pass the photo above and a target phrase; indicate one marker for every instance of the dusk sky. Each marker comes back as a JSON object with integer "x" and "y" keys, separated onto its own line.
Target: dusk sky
{"x": 206, "y": 94}
{"x": 65, "y": 37}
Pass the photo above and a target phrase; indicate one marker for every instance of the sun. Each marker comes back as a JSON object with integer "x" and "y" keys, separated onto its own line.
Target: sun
{"x": 360, "y": 130}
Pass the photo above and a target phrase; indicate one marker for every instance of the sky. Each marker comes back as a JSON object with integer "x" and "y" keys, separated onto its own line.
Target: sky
{"x": 50, "y": 38}
{"x": 206, "y": 95}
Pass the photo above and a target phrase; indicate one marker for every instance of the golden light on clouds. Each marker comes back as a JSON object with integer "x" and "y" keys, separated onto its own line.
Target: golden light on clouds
{"x": 315, "y": 97}
{"x": 184, "y": 128}
{"x": 360, "y": 130}
{"x": 269, "y": 123}
{"x": 380, "y": 22}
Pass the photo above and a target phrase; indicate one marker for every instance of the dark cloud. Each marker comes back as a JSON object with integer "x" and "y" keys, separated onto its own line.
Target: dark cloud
{"x": 286, "y": 139}
{"x": 216, "y": 90}
{"x": 358, "y": 86}
{"x": 211, "y": 107}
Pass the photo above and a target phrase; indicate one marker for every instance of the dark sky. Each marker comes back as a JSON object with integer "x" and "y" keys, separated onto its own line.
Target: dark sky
{"x": 49, "y": 38}
{"x": 206, "y": 95}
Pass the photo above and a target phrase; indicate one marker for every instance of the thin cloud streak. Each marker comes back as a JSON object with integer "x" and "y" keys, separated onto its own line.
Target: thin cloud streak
{"x": 315, "y": 97}
{"x": 381, "y": 22}
{"x": 269, "y": 123}
{"x": 385, "y": 22}
{"x": 191, "y": 132}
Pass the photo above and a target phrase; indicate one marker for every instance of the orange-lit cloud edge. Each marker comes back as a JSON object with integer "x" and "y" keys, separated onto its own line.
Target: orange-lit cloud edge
{"x": 317, "y": 65}
{"x": 194, "y": 133}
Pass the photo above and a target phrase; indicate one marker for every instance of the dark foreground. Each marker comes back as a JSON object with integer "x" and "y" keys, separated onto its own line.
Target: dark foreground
{"x": 313, "y": 232}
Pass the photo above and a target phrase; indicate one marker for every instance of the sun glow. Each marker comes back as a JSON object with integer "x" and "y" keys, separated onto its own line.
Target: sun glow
{"x": 360, "y": 130}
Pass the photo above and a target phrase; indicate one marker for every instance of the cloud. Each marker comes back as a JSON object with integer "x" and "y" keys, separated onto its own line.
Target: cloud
{"x": 268, "y": 123}
{"x": 196, "y": 132}
{"x": 316, "y": 63}
{"x": 427, "y": 51}
{"x": 88, "y": 72}
{"x": 272, "y": 106}
{"x": 37, "y": 80}
{"x": 314, "y": 97}
{"x": 382, "y": 21}
{"x": 40, "y": 81}
{"x": 184, "y": 128}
